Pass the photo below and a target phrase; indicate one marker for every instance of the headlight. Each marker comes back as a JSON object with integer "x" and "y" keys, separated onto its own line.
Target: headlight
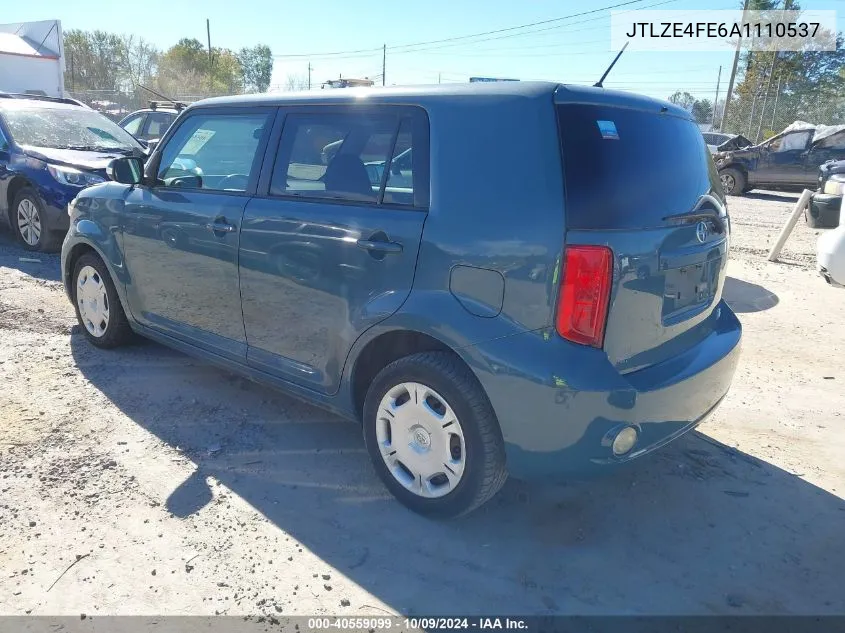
{"x": 74, "y": 177}
{"x": 835, "y": 185}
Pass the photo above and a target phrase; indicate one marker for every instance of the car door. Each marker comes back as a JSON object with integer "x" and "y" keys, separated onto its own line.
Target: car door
{"x": 782, "y": 162}
{"x": 180, "y": 236}
{"x": 329, "y": 247}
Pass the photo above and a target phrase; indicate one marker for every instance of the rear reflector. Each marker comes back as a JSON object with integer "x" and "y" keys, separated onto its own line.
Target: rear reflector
{"x": 584, "y": 294}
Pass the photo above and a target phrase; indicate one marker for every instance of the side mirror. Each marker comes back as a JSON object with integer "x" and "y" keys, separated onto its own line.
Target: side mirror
{"x": 127, "y": 170}
{"x": 152, "y": 144}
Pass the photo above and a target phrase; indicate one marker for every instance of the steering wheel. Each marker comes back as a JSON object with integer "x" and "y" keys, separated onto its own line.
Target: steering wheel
{"x": 234, "y": 181}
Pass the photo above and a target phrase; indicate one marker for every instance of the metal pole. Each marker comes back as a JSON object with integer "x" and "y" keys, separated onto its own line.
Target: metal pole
{"x": 777, "y": 95}
{"x": 384, "y": 65}
{"x": 733, "y": 74}
{"x": 716, "y": 100}
{"x": 766, "y": 97}
{"x": 309, "y": 75}
{"x": 210, "y": 60}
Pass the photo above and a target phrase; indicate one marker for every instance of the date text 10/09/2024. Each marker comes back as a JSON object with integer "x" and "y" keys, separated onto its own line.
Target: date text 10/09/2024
{"x": 427, "y": 623}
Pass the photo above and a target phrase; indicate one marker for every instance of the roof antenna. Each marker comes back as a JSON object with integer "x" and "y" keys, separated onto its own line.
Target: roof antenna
{"x": 598, "y": 84}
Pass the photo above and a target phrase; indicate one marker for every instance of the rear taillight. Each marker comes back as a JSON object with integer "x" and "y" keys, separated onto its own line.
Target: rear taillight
{"x": 585, "y": 294}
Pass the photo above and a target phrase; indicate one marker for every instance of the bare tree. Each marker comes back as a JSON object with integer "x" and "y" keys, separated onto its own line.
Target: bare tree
{"x": 295, "y": 82}
{"x": 140, "y": 59}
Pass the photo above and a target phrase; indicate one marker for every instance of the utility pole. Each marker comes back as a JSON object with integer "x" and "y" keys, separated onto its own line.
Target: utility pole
{"x": 383, "y": 65}
{"x": 210, "y": 59}
{"x": 438, "y": 77}
{"x": 309, "y": 75}
{"x": 716, "y": 100}
{"x": 766, "y": 96}
{"x": 733, "y": 73}
{"x": 777, "y": 95}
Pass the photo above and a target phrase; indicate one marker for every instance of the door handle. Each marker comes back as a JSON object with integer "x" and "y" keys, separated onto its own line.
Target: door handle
{"x": 220, "y": 227}
{"x": 376, "y": 246}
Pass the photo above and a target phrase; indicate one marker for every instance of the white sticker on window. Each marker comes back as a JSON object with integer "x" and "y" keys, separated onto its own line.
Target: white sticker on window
{"x": 197, "y": 141}
{"x": 608, "y": 129}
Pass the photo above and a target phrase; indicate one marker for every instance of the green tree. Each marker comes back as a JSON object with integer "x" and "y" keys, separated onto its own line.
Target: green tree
{"x": 702, "y": 111}
{"x": 185, "y": 70}
{"x": 257, "y": 67}
{"x": 95, "y": 60}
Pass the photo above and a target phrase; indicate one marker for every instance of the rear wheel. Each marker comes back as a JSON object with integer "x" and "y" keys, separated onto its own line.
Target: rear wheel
{"x": 98, "y": 308}
{"x": 29, "y": 222}
{"x": 433, "y": 436}
{"x": 733, "y": 181}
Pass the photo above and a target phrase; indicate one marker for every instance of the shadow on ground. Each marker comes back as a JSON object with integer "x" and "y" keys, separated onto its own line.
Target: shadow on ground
{"x": 41, "y": 265}
{"x": 774, "y": 196}
{"x": 696, "y": 528}
{"x": 745, "y": 297}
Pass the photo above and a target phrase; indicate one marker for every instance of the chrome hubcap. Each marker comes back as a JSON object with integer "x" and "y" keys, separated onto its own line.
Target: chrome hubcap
{"x": 93, "y": 301}
{"x": 421, "y": 440}
{"x": 29, "y": 222}
{"x": 728, "y": 183}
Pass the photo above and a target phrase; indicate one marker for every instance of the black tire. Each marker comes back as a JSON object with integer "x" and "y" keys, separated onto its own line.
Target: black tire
{"x": 47, "y": 241}
{"x": 812, "y": 221}
{"x": 484, "y": 472}
{"x": 735, "y": 176}
{"x": 117, "y": 332}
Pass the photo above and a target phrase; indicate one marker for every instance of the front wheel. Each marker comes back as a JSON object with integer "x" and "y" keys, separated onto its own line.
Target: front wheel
{"x": 733, "y": 181}
{"x": 98, "y": 308}
{"x": 29, "y": 222}
{"x": 433, "y": 436}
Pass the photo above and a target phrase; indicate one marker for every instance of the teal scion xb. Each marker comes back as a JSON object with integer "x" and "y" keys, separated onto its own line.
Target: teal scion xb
{"x": 496, "y": 278}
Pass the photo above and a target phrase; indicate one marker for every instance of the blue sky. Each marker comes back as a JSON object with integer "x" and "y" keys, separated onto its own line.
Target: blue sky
{"x": 575, "y": 50}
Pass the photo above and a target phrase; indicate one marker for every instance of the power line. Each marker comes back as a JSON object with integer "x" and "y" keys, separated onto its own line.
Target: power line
{"x": 399, "y": 47}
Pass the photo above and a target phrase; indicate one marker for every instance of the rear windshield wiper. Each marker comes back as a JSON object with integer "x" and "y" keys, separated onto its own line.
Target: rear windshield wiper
{"x": 716, "y": 212}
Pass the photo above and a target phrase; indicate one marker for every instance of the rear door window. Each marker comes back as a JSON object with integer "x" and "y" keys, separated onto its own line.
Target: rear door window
{"x": 354, "y": 156}
{"x": 630, "y": 168}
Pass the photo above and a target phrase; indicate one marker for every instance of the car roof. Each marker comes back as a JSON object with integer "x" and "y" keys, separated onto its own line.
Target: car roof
{"x": 417, "y": 93}
{"x": 445, "y": 93}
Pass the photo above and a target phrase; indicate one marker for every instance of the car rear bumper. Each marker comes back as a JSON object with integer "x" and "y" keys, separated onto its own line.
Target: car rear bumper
{"x": 825, "y": 208}
{"x": 560, "y": 411}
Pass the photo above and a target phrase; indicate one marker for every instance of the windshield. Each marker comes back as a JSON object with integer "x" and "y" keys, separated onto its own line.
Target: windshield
{"x": 67, "y": 128}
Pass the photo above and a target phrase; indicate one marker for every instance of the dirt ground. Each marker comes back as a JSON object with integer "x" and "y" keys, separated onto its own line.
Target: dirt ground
{"x": 172, "y": 487}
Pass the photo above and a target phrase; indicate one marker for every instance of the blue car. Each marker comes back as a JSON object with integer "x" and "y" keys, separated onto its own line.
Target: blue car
{"x": 50, "y": 149}
{"x": 534, "y": 290}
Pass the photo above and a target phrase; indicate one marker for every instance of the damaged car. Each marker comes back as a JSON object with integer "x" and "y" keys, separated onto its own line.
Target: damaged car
{"x": 790, "y": 159}
{"x": 825, "y": 205}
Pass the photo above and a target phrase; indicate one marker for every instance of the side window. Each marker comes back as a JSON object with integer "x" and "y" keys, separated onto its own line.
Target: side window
{"x": 213, "y": 151}
{"x": 400, "y": 180}
{"x": 157, "y": 124}
{"x": 133, "y": 125}
{"x": 336, "y": 156}
{"x": 791, "y": 142}
{"x": 834, "y": 141}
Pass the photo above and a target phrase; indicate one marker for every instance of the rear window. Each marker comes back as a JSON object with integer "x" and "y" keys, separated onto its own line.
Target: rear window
{"x": 628, "y": 168}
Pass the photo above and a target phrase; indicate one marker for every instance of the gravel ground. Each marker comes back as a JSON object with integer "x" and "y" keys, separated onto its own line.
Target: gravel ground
{"x": 141, "y": 481}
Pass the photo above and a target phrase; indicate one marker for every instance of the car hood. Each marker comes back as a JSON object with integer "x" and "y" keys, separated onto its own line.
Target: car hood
{"x": 81, "y": 159}
{"x": 735, "y": 143}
